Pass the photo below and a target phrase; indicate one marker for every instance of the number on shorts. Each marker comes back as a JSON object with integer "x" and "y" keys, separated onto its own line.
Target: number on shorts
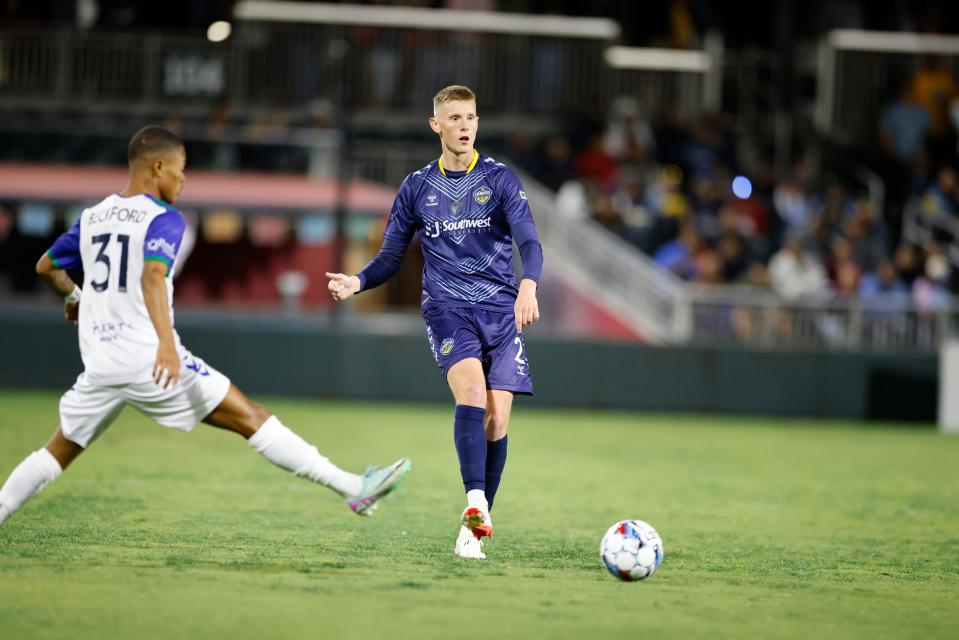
{"x": 519, "y": 353}
{"x": 103, "y": 240}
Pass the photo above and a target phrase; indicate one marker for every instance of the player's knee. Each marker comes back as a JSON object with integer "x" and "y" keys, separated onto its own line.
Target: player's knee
{"x": 256, "y": 415}
{"x": 473, "y": 394}
{"x": 495, "y": 425}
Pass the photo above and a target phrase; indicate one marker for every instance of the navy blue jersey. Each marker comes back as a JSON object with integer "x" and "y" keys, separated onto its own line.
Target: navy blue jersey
{"x": 467, "y": 222}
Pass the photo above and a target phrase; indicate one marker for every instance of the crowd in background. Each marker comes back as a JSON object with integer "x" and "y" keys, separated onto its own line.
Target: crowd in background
{"x": 675, "y": 189}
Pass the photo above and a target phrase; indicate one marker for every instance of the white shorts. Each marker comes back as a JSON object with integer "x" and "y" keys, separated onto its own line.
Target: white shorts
{"x": 87, "y": 409}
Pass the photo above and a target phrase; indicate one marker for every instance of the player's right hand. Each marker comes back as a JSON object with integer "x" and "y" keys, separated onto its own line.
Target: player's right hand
{"x": 72, "y": 312}
{"x": 166, "y": 369}
{"x": 342, "y": 286}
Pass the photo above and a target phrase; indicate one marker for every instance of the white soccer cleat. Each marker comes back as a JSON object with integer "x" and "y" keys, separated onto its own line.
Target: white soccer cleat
{"x": 376, "y": 484}
{"x": 468, "y": 546}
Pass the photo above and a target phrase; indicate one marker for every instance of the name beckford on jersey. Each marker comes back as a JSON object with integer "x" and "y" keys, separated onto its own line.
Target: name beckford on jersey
{"x": 467, "y": 221}
{"x": 111, "y": 242}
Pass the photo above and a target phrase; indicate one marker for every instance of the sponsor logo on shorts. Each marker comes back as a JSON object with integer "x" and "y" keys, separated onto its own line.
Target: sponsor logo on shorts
{"x": 446, "y": 347}
{"x": 198, "y": 366}
{"x": 482, "y": 194}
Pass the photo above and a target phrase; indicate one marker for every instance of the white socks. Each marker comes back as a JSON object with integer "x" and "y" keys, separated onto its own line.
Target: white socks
{"x": 285, "y": 449}
{"x": 36, "y": 471}
{"x": 477, "y": 498}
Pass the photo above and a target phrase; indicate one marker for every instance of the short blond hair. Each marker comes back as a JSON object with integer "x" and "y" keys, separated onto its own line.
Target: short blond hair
{"x": 451, "y": 93}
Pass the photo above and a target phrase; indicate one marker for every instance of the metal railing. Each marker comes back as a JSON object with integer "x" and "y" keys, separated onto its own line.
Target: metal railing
{"x": 759, "y": 318}
{"x": 609, "y": 270}
{"x": 921, "y": 227}
{"x": 357, "y": 57}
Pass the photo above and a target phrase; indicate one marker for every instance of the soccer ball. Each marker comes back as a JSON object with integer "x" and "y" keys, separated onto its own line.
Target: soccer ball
{"x": 631, "y": 550}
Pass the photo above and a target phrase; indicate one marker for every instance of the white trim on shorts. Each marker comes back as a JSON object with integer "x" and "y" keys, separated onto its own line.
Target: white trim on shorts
{"x": 87, "y": 409}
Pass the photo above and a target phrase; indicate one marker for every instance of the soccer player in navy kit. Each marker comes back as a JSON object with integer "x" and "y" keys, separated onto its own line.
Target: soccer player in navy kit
{"x": 468, "y": 209}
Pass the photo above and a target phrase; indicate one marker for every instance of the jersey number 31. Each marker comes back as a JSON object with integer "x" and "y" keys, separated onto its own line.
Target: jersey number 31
{"x": 103, "y": 240}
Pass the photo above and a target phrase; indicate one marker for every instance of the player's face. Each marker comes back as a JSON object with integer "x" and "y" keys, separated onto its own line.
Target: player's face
{"x": 170, "y": 176}
{"x": 456, "y": 123}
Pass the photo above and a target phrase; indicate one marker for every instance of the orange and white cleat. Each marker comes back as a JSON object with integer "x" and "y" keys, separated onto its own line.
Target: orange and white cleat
{"x": 478, "y": 521}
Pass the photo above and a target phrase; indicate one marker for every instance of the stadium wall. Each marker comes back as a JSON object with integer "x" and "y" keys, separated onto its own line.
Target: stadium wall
{"x": 39, "y": 350}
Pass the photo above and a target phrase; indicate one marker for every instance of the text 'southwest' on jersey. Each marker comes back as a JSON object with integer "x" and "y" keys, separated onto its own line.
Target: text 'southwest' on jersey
{"x": 435, "y": 228}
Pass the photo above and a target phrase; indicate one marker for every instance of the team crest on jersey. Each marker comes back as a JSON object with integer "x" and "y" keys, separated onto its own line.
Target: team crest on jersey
{"x": 446, "y": 347}
{"x": 482, "y": 194}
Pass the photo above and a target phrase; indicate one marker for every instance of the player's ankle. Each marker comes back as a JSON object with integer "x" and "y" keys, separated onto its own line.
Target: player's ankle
{"x": 476, "y": 498}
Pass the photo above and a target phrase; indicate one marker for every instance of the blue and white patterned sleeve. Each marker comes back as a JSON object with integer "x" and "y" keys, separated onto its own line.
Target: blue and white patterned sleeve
{"x": 163, "y": 237}
{"x": 520, "y": 218}
{"x": 65, "y": 252}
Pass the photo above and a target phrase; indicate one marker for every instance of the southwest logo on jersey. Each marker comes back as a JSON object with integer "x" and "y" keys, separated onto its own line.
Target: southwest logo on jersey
{"x": 459, "y": 227}
{"x": 482, "y": 194}
{"x": 446, "y": 347}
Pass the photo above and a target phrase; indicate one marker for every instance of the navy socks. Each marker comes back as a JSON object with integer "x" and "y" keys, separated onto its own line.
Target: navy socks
{"x": 495, "y": 462}
{"x": 470, "y": 439}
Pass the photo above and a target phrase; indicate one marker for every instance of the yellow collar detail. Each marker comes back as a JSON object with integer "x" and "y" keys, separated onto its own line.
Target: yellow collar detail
{"x": 468, "y": 169}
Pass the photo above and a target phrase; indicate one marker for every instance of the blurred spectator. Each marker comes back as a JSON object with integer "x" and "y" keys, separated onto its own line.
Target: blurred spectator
{"x": 934, "y": 87}
{"x": 930, "y": 291}
{"x": 903, "y": 127}
{"x": 795, "y": 273}
{"x": 735, "y": 256}
{"x": 942, "y": 197}
{"x": 866, "y": 235}
{"x": 907, "y": 263}
{"x": 679, "y": 254}
{"x": 883, "y": 289}
{"x": 792, "y": 200}
{"x": 629, "y": 138}
{"x": 847, "y": 278}
{"x": 556, "y": 163}
{"x": 595, "y": 164}
{"x": 682, "y": 26}
{"x": 703, "y": 150}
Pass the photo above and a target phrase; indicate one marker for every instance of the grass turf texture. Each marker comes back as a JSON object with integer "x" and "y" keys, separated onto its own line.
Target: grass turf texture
{"x": 772, "y": 529}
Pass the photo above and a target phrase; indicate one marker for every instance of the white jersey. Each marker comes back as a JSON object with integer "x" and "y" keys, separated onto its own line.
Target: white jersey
{"x": 112, "y": 241}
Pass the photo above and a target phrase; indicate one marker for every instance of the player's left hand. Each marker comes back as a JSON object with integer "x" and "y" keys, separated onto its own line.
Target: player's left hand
{"x": 71, "y": 312}
{"x": 342, "y": 286}
{"x": 526, "y": 309}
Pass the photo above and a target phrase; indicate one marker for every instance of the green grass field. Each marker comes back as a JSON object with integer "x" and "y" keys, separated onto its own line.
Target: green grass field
{"x": 772, "y": 528}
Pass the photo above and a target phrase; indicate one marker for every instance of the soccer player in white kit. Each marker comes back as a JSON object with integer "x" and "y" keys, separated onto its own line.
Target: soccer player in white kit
{"x": 127, "y": 246}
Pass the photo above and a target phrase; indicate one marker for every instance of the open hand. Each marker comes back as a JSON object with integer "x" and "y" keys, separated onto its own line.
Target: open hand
{"x": 166, "y": 369}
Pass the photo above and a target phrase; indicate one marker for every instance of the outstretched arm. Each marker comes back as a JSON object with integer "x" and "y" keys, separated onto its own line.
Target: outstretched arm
{"x": 61, "y": 282}
{"x": 166, "y": 368}
{"x": 396, "y": 238}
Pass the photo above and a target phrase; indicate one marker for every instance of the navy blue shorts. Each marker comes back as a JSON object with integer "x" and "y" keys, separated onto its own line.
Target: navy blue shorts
{"x": 456, "y": 333}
